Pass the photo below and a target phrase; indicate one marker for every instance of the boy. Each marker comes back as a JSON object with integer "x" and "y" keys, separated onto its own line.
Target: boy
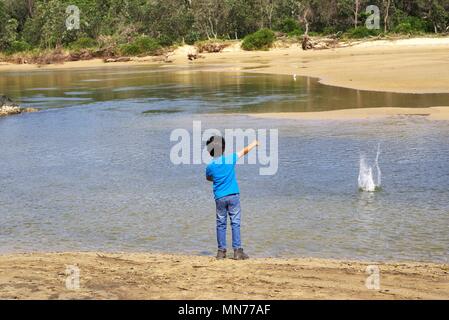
{"x": 221, "y": 171}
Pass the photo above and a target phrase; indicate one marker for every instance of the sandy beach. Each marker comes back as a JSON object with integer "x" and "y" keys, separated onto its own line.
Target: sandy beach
{"x": 162, "y": 276}
{"x": 418, "y": 65}
{"x": 432, "y": 113}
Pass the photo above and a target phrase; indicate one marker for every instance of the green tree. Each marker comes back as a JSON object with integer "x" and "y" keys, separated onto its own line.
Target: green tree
{"x": 3, "y": 17}
{"x": 41, "y": 23}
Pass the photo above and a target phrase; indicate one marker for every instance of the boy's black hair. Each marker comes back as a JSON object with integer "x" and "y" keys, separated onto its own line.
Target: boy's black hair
{"x": 216, "y": 146}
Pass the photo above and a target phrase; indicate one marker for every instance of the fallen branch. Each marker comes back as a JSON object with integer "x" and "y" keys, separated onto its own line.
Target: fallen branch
{"x": 121, "y": 59}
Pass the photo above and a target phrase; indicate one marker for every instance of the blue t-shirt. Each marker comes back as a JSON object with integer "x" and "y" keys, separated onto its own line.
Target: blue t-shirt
{"x": 222, "y": 171}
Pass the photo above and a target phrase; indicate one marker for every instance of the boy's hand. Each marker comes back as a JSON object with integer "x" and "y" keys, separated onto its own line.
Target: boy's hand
{"x": 246, "y": 150}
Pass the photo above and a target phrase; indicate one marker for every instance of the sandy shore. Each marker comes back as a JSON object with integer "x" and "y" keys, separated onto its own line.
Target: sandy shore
{"x": 156, "y": 276}
{"x": 433, "y": 113}
{"x": 419, "y": 65}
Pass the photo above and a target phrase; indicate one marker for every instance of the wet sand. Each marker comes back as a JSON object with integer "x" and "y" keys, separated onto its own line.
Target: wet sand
{"x": 432, "y": 113}
{"x": 161, "y": 276}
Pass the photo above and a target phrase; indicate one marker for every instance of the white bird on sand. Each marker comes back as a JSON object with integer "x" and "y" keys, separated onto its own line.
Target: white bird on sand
{"x": 294, "y": 77}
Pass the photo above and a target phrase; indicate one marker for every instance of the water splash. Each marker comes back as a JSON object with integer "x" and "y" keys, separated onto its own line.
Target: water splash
{"x": 368, "y": 181}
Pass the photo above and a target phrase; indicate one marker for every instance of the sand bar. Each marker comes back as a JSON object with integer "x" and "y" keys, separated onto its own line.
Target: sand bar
{"x": 432, "y": 113}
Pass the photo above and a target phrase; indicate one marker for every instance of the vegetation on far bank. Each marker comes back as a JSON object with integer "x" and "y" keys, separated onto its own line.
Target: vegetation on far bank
{"x": 34, "y": 31}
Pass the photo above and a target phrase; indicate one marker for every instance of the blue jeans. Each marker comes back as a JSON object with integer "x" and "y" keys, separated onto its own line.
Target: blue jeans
{"x": 228, "y": 205}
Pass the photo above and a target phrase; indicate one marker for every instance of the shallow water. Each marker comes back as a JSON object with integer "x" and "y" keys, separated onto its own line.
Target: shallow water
{"x": 92, "y": 170}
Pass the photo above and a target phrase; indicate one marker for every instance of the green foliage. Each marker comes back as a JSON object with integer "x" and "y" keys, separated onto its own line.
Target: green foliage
{"x": 165, "y": 40}
{"x": 233, "y": 18}
{"x": 259, "y": 40}
{"x": 438, "y": 17}
{"x": 192, "y": 37}
{"x": 18, "y": 46}
{"x": 291, "y": 27}
{"x": 296, "y": 33}
{"x": 362, "y": 32}
{"x": 143, "y": 45}
{"x": 9, "y": 33}
{"x": 3, "y": 17}
{"x": 411, "y": 25}
{"x": 83, "y": 43}
{"x": 288, "y": 25}
{"x": 329, "y": 30}
{"x": 41, "y": 23}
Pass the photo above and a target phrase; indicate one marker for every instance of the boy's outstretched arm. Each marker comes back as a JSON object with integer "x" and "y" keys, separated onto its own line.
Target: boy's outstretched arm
{"x": 246, "y": 150}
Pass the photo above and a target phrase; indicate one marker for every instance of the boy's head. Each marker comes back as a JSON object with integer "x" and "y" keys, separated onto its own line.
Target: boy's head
{"x": 216, "y": 146}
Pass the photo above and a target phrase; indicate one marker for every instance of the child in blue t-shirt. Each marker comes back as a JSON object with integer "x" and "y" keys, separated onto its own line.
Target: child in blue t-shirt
{"x": 221, "y": 171}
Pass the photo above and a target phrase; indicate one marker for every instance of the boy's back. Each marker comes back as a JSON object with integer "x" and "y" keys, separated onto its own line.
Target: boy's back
{"x": 222, "y": 171}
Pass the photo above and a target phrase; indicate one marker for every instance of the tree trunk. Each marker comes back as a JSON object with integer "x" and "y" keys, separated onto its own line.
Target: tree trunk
{"x": 306, "y": 44}
{"x": 211, "y": 25}
{"x": 387, "y": 13}
{"x": 306, "y": 33}
{"x": 356, "y": 13}
{"x": 30, "y": 6}
{"x": 270, "y": 14}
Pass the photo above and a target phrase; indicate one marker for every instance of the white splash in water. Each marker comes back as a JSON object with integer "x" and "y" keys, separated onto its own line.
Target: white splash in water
{"x": 366, "y": 176}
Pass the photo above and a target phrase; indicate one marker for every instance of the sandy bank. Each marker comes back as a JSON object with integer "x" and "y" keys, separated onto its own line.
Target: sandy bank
{"x": 419, "y": 65}
{"x": 433, "y": 113}
{"x": 156, "y": 276}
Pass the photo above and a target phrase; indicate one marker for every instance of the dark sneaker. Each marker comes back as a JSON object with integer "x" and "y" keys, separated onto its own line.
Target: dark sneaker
{"x": 240, "y": 255}
{"x": 221, "y": 254}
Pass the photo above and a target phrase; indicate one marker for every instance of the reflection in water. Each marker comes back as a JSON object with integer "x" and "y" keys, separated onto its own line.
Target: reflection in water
{"x": 194, "y": 90}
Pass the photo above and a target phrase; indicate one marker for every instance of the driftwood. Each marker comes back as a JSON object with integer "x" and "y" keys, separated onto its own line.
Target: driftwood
{"x": 83, "y": 55}
{"x": 192, "y": 56}
{"x": 321, "y": 44}
{"x": 164, "y": 58}
{"x": 121, "y": 59}
{"x": 325, "y": 44}
{"x": 211, "y": 47}
{"x": 306, "y": 43}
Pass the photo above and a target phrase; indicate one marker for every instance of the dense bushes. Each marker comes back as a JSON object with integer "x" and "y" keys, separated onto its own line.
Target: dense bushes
{"x": 143, "y": 45}
{"x": 411, "y": 25}
{"x": 290, "y": 27}
{"x": 362, "y": 32}
{"x": 42, "y": 23}
{"x": 83, "y": 43}
{"x": 259, "y": 40}
{"x": 18, "y": 46}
